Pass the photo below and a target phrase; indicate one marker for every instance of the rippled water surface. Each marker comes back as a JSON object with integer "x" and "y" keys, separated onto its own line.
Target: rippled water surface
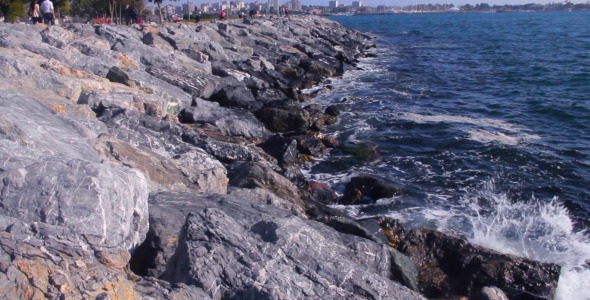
{"x": 483, "y": 120}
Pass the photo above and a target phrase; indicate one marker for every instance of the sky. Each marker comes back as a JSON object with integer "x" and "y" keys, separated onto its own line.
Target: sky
{"x": 395, "y": 2}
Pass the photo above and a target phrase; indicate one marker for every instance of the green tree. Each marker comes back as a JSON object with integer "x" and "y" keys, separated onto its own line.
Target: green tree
{"x": 13, "y": 9}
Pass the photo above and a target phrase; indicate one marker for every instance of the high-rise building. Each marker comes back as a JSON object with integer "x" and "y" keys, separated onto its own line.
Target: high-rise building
{"x": 333, "y": 4}
{"x": 357, "y": 4}
{"x": 187, "y": 8}
{"x": 296, "y": 4}
{"x": 273, "y": 6}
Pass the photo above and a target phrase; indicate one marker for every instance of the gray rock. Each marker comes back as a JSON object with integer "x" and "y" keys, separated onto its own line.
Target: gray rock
{"x": 60, "y": 180}
{"x": 234, "y": 247}
{"x": 42, "y": 261}
{"x": 252, "y": 175}
{"x": 232, "y": 122}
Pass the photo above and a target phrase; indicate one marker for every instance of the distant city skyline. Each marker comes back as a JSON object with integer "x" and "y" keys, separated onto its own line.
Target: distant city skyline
{"x": 376, "y": 3}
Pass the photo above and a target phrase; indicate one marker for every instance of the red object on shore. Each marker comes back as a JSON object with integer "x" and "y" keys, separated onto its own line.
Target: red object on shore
{"x": 99, "y": 21}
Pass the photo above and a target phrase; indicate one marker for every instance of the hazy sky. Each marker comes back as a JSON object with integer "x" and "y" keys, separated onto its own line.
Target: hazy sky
{"x": 394, "y": 2}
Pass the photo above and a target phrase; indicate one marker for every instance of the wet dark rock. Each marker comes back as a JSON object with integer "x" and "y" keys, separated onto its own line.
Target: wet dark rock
{"x": 310, "y": 144}
{"x": 371, "y": 187}
{"x": 318, "y": 119}
{"x": 386, "y": 229}
{"x": 449, "y": 265}
{"x": 335, "y": 110}
{"x": 236, "y": 96}
{"x": 117, "y": 75}
{"x": 321, "y": 192}
{"x": 289, "y": 119}
{"x": 284, "y": 149}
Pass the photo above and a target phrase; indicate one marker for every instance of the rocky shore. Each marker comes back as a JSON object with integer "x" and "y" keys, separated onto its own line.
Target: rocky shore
{"x": 163, "y": 162}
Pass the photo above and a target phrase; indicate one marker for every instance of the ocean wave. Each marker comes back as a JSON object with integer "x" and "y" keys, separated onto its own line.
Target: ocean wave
{"x": 539, "y": 230}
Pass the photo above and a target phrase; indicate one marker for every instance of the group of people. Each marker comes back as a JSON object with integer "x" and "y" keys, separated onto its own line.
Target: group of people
{"x": 42, "y": 12}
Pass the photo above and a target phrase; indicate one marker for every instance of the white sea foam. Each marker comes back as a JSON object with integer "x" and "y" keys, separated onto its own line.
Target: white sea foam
{"x": 535, "y": 229}
{"x": 484, "y": 122}
{"x": 485, "y": 136}
{"x": 489, "y": 131}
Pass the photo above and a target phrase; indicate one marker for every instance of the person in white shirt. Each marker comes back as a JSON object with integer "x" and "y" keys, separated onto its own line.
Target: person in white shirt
{"x": 48, "y": 12}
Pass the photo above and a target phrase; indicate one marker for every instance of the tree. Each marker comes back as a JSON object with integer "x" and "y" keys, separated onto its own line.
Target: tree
{"x": 159, "y": 2}
{"x": 12, "y": 9}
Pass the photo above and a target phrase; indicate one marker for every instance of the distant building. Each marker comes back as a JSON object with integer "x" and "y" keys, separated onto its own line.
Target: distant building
{"x": 206, "y": 7}
{"x": 357, "y": 4}
{"x": 333, "y": 4}
{"x": 168, "y": 11}
{"x": 187, "y": 8}
{"x": 273, "y": 5}
{"x": 296, "y": 4}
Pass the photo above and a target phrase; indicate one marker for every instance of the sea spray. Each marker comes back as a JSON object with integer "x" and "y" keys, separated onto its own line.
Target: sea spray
{"x": 539, "y": 230}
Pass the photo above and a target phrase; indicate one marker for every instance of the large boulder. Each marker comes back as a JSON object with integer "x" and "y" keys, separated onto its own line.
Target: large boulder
{"x": 449, "y": 265}
{"x": 230, "y": 121}
{"x": 52, "y": 174}
{"x": 251, "y": 175}
{"x": 42, "y": 261}
{"x": 234, "y": 247}
{"x": 287, "y": 119}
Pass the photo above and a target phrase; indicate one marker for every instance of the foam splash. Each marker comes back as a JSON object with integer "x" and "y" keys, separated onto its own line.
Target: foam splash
{"x": 534, "y": 229}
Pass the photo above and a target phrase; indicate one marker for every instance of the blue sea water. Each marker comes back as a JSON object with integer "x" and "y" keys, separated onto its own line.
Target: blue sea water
{"x": 483, "y": 120}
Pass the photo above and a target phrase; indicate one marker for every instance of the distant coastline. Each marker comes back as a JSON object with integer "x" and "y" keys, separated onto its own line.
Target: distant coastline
{"x": 450, "y": 8}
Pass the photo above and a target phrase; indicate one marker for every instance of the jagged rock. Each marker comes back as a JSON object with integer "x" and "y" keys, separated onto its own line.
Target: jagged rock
{"x": 42, "y": 261}
{"x": 165, "y": 174}
{"x": 289, "y": 119}
{"x": 232, "y": 122}
{"x": 251, "y": 175}
{"x": 371, "y": 187}
{"x": 236, "y": 96}
{"x": 283, "y": 149}
{"x": 450, "y": 265}
{"x": 237, "y": 248}
{"x": 318, "y": 119}
{"x": 60, "y": 180}
{"x": 309, "y": 144}
{"x": 157, "y": 148}
{"x": 117, "y": 75}
{"x": 322, "y": 192}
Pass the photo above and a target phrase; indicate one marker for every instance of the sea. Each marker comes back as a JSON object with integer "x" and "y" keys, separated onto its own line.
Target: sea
{"x": 482, "y": 120}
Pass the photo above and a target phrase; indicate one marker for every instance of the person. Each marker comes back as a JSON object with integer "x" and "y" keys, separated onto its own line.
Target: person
{"x": 222, "y": 15}
{"x": 127, "y": 14}
{"x": 48, "y": 12}
{"x": 35, "y": 13}
{"x": 134, "y": 15}
{"x": 197, "y": 14}
{"x": 252, "y": 13}
{"x": 286, "y": 12}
